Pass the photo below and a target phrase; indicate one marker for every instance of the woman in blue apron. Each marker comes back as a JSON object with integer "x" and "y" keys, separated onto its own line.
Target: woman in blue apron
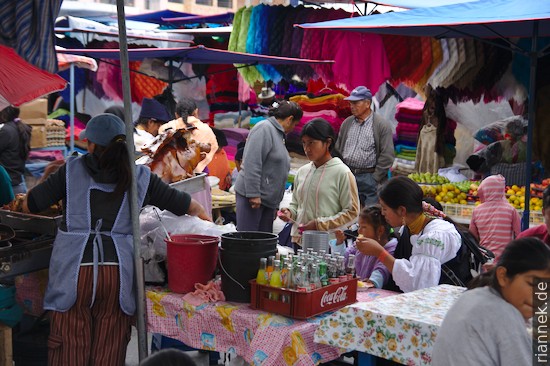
{"x": 91, "y": 290}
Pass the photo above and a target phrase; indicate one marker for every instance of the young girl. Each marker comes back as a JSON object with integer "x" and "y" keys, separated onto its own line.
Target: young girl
{"x": 416, "y": 263}
{"x": 325, "y": 193}
{"x": 371, "y": 225}
{"x": 487, "y": 325}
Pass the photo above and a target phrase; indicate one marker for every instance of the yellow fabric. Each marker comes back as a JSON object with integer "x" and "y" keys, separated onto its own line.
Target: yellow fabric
{"x": 416, "y": 226}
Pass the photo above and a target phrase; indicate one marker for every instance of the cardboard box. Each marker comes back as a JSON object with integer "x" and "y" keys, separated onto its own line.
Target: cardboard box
{"x": 46, "y": 132}
{"x": 38, "y": 108}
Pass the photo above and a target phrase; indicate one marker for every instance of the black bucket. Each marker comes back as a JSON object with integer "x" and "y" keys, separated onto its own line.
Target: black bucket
{"x": 240, "y": 255}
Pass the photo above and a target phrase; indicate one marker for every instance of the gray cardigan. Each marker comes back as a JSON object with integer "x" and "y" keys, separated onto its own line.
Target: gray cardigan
{"x": 265, "y": 166}
{"x": 383, "y": 140}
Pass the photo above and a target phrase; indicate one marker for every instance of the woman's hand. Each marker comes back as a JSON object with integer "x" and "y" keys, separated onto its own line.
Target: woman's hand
{"x": 285, "y": 215}
{"x": 368, "y": 246}
{"x": 340, "y": 236}
{"x": 312, "y": 225}
{"x": 255, "y": 202}
{"x": 196, "y": 209}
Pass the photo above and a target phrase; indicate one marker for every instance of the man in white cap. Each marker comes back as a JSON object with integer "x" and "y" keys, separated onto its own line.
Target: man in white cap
{"x": 366, "y": 144}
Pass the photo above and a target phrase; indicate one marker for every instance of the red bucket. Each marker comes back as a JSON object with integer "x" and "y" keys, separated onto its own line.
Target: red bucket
{"x": 190, "y": 259}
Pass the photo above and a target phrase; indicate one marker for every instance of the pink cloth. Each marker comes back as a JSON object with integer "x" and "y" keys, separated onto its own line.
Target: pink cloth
{"x": 211, "y": 292}
{"x": 410, "y": 105}
{"x": 359, "y": 59}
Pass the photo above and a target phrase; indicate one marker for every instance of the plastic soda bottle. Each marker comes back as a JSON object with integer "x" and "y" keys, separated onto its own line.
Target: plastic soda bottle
{"x": 261, "y": 278}
{"x": 350, "y": 267}
{"x": 323, "y": 273}
{"x": 269, "y": 268}
{"x": 275, "y": 280}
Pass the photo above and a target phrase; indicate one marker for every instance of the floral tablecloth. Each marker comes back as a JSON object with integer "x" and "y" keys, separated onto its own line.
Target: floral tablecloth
{"x": 402, "y": 328}
{"x": 260, "y": 338}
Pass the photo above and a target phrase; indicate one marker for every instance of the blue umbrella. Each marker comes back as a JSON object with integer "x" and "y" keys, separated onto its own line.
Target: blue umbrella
{"x": 485, "y": 20}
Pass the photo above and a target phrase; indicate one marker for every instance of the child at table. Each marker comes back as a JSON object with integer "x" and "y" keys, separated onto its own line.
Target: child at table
{"x": 371, "y": 225}
{"x": 487, "y": 325}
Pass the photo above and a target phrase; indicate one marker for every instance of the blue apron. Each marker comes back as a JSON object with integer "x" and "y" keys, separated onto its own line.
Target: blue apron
{"x": 69, "y": 245}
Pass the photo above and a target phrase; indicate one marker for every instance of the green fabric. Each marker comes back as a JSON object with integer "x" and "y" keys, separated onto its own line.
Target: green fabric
{"x": 59, "y": 112}
{"x": 6, "y": 191}
{"x": 250, "y": 74}
{"x": 234, "y": 37}
{"x": 10, "y": 311}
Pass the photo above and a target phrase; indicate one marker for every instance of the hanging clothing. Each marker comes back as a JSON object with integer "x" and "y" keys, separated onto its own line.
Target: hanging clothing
{"x": 427, "y": 160}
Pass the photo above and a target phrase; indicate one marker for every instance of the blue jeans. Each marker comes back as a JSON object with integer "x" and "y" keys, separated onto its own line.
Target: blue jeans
{"x": 368, "y": 188}
{"x": 21, "y": 187}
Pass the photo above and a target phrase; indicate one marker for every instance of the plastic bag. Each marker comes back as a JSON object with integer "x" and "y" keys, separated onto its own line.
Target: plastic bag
{"x": 153, "y": 246}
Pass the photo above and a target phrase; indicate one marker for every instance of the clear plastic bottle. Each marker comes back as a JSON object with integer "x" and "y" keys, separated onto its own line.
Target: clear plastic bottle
{"x": 269, "y": 268}
{"x": 261, "y": 278}
{"x": 350, "y": 267}
{"x": 275, "y": 280}
{"x": 315, "y": 280}
{"x": 341, "y": 260}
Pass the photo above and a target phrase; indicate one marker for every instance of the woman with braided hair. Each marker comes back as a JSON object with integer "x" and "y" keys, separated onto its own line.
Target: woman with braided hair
{"x": 91, "y": 279}
{"x": 433, "y": 238}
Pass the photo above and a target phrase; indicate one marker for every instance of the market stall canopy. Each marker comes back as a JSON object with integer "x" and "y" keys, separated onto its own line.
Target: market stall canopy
{"x": 198, "y": 32}
{"x": 21, "y": 82}
{"x": 413, "y": 4}
{"x": 158, "y": 16}
{"x": 64, "y": 61}
{"x": 219, "y": 18}
{"x": 79, "y": 28}
{"x": 193, "y": 55}
{"x": 481, "y": 19}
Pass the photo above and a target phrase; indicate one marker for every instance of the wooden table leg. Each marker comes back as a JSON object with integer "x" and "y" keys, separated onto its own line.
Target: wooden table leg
{"x": 6, "y": 351}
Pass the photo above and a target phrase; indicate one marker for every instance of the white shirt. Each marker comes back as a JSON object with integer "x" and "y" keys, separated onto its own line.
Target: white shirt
{"x": 438, "y": 243}
{"x": 141, "y": 138}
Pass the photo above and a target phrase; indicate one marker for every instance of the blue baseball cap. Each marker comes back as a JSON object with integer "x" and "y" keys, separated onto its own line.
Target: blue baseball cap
{"x": 103, "y": 128}
{"x": 359, "y": 93}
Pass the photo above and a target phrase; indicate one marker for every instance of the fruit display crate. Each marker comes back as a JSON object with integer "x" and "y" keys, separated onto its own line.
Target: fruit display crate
{"x": 303, "y": 305}
{"x": 464, "y": 212}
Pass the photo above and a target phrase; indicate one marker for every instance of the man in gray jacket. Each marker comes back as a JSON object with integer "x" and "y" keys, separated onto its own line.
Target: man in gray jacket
{"x": 366, "y": 145}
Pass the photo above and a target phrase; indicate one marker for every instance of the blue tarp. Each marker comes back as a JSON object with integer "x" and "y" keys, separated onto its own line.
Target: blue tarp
{"x": 413, "y": 4}
{"x": 156, "y": 16}
{"x": 179, "y": 21}
{"x": 194, "y": 55}
{"x": 483, "y": 18}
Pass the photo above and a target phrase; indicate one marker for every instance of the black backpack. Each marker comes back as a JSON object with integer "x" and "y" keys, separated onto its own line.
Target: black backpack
{"x": 468, "y": 261}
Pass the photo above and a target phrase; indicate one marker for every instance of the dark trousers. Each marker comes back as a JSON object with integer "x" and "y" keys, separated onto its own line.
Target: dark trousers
{"x": 253, "y": 219}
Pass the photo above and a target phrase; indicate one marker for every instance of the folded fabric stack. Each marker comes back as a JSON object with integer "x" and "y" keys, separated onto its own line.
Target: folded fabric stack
{"x": 408, "y": 115}
{"x": 331, "y": 107}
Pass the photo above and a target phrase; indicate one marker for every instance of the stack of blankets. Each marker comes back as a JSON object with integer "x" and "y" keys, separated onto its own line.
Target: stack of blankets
{"x": 331, "y": 107}
{"x": 408, "y": 115}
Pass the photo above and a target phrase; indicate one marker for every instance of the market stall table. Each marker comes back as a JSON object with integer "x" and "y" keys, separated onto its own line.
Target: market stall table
{"x": 401, "y": 328}
{"x": 259, "y": 337}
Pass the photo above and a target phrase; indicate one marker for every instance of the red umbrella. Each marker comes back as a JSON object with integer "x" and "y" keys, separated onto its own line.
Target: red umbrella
{"x": 21, "y": 82}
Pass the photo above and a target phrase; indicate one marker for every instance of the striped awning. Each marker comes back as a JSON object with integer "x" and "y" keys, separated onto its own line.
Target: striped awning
{"x": 27, "y": 26}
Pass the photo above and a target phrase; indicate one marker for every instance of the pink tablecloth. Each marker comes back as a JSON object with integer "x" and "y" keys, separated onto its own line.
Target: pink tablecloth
{"x": 260, "y": 338}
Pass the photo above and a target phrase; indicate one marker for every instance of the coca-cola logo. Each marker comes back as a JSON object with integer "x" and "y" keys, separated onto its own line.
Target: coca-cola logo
{"x": 335, "y": 297}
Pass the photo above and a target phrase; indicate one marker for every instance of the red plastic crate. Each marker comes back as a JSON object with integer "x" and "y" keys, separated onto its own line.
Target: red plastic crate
{"x": 303, "y": 305}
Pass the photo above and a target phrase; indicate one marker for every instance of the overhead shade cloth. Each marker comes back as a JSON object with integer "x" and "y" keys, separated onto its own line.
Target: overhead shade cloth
{"x": 193, "y": 55}
{"x": 484, "y": 19}
{"x": 27, "y": 27}
{"x": 219, "y": 18}
{"x": 21, "y": 82}
{"x": 64, "y": 61}
{"x": 413, "y": 4}
{"x": 157, "y": 16}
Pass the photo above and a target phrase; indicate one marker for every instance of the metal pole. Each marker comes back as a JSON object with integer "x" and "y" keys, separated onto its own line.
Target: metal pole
{"x": 71, "y": 145}
{"x": 533, "y": 57}
{"x": 134, "y": 209}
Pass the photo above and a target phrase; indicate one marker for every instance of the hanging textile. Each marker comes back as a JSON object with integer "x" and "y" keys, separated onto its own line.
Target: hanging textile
{"x": 27, "y": 27}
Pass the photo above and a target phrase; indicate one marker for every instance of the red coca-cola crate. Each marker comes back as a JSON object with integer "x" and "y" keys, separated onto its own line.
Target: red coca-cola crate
{"x": 303, "y": 305}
